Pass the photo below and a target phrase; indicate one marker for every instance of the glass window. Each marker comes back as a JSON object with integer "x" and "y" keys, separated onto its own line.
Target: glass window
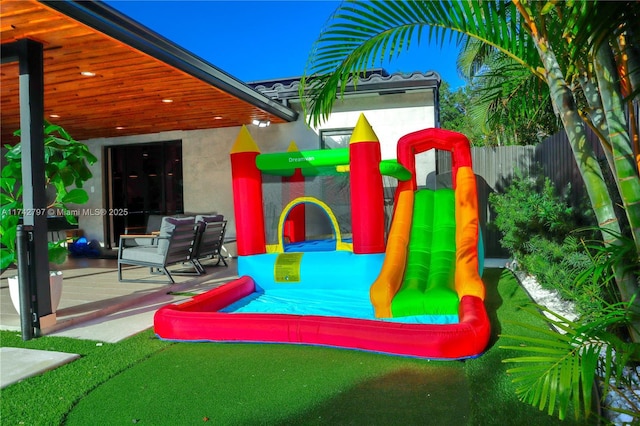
{"x": 335, "y": 138}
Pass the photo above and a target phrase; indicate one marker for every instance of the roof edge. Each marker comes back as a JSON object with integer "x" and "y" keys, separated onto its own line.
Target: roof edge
{"x": 375, "y": 80}
{"x": 117, "y": 25}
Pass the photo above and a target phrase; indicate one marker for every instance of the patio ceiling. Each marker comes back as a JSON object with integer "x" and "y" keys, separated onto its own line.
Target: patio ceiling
{"x": 136, "y": 73}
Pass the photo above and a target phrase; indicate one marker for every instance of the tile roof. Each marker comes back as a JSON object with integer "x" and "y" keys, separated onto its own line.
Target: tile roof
{"x": 377, "y": 80}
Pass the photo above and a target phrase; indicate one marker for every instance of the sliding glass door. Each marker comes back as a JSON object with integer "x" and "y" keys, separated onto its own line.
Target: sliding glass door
{"x": 143, "y": 180}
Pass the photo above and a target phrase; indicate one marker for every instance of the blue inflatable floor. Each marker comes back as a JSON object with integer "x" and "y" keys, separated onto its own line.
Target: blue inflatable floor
{"x": 334, "y": 303}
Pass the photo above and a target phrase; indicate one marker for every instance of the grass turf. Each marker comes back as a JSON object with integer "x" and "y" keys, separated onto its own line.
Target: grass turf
{"x": 143, "y": 380}
{"x": 46, "y": 399}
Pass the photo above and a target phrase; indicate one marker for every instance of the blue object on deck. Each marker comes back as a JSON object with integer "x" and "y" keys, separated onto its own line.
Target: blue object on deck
{"x": 84, "y": 248}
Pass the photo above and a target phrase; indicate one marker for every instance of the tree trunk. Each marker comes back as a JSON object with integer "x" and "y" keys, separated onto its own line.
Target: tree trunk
{"x": 590, "y": 170}
{"x": 625, "y": 172}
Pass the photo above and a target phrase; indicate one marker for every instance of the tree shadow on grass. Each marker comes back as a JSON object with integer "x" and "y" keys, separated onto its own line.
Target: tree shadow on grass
{"x": 403, "y": 397}
{"x": 493, "y": 301}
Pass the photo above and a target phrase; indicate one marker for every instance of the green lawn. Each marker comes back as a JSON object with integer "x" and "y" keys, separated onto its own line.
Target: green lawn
{"x": 147, "y": 381}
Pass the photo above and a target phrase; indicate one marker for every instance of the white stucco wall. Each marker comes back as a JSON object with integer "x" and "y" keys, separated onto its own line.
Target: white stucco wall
{"x": 391, "y": 116}
{"x": 206, "y": 163}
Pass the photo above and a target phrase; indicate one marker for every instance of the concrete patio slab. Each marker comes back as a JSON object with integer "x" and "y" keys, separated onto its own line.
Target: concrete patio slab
{"x": 95, "y": 306}
{"x": 18, "y": 364}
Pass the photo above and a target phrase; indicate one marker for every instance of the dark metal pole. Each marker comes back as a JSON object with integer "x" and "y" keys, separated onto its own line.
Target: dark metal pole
{"x": 29, "y": 54}
{"x": 24, "y": 282}
{"x": 34, "y": 196}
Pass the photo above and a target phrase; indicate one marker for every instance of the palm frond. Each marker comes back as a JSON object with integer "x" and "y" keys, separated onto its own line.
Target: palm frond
{"x": 509, "y": 99}
{"x": 364, "y": 34}
{"x": 554, "y": 378}
{"x": 558, "y": 370}
{"x": 606, "y": 257}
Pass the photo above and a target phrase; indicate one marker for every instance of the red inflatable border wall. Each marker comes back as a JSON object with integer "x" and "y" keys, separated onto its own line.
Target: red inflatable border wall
{"x": 198, "y": 319}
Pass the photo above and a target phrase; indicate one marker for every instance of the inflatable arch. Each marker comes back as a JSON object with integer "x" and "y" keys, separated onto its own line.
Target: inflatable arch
{"x": 280, "y": 247}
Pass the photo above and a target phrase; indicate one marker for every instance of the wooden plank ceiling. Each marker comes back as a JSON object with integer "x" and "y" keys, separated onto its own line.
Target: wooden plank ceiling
{"x": 129, "y": 93}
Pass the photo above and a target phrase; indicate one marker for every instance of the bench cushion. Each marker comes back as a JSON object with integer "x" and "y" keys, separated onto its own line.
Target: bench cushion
{"x": 143, "y": 254}
{"x": 166, "y": 230}
{"x": 209, "y": 218}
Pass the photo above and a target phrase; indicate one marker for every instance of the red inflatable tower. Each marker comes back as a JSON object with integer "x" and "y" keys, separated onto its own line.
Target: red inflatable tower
{"x": 367, "y": 194}
{"x": 247, "y": 195}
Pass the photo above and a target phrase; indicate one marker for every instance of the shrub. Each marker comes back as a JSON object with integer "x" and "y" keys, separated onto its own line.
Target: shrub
{"x": 529, "y": 207}
{"x": 546, "y": 236}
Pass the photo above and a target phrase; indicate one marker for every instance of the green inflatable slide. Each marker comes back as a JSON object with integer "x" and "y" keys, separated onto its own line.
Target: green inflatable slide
{"x": 428, "y": 284}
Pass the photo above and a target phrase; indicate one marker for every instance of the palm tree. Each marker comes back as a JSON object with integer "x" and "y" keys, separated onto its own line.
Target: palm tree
{"x": 571, "y": 47}
{"x": 509, "y": 103}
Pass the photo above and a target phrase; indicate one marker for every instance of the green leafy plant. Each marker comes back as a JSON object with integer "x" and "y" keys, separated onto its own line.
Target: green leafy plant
{"x": 560, "y": 266}
{"x": 66, "y": 169}
{"x": 530, "y": 206}
{"x": 548, "y": 238}
{"x": 560, "y": 368}
{"x": 605, "y": 260}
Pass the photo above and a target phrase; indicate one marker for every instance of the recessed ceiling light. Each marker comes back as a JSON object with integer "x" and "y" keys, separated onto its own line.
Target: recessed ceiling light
{"x": 260, "y": 123}
{"x": 217, "y": 117}
{"x": 54, "y": 116}
{"x": 167, "y": 101}
{"x": 120, "y": 128}
{"x": 88, "y": 74}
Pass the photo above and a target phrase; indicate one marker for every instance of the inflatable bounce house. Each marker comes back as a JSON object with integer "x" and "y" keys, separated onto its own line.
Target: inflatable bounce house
{"x": 413, "y": 288}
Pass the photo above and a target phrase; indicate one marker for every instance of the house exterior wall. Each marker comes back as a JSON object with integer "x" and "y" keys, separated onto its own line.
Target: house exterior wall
{"x": 391, "y": 116}
{"x": 205, "y": 153}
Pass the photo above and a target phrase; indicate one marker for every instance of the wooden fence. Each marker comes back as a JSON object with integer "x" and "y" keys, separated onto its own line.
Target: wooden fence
{"x": 495, "y": 167}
